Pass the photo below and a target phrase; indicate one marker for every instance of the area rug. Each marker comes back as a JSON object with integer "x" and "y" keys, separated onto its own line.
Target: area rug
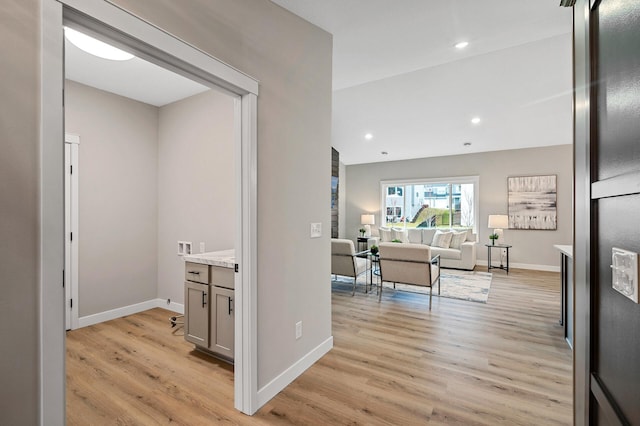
{"x": 464, "y": 285}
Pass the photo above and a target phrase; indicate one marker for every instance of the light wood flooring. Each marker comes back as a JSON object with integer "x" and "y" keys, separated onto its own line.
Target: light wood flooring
{"x": 393, "y": 363}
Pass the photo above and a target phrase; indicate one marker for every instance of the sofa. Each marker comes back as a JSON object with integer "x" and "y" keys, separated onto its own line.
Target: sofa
{"x": 456, "y": 247}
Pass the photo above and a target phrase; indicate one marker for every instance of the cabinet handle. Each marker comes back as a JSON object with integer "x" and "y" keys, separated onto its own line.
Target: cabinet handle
{"x": 194, "y": 272}
{"x": 204, "y": 299}
{"x": 230, "y": 308}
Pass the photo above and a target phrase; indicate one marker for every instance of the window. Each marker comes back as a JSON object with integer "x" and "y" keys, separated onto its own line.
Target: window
{"x": 431, "y": 203}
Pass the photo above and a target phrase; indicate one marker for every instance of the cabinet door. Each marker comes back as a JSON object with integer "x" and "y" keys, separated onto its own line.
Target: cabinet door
{"x": 196, "y": 314}
{"x": 222, "y": 322}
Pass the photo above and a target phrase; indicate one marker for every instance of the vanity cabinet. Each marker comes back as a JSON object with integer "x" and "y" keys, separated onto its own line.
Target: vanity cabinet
{"x": 196, "y": 314}
{"x": 209, "y": 320}
{"x": 222, "y": 321}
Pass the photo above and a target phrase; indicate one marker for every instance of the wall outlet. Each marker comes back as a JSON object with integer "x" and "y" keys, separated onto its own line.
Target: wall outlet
{"x": 316, "y": 230}
{"x": 298, "y": 330}
{"x": 202, "y": 247}
{"x": 184, "y": 248}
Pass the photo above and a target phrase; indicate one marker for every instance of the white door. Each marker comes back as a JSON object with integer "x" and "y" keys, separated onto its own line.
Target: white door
{"x": 71, "y": 230}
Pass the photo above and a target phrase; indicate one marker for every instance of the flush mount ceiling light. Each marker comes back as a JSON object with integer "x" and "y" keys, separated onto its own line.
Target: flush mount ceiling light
{"x": 475, "y": 120}
{"x": 95, "y": 47}
{"x": 462, "y": 45}
{"x": 368, "y": 136}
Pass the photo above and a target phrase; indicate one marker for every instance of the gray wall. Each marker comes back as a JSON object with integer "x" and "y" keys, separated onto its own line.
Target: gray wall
{"x": 292, "y": 60}
{"x": 532, "y": 249}
{"x": 118, "y": 197}
{"x": 196, "y": 183}
{"x": 19, "y": 208}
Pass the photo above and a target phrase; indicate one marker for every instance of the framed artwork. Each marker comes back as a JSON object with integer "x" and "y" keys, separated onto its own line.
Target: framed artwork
{"x": 532, "y": 202}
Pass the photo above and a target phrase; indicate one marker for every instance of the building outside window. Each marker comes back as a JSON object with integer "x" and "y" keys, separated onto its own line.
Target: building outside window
{"x": 431, "y": 203}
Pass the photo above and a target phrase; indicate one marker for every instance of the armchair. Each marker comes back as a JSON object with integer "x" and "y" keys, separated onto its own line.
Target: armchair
{"x": 408, "y": 263}
{"x": 346, "y": 262}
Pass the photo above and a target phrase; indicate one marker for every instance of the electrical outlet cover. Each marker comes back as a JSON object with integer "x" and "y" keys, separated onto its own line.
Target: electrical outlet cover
{"x": 316, "y": 230}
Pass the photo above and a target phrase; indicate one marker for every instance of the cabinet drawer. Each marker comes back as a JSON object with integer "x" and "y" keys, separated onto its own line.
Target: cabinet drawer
{"x": 222, "y": 277}
{"x": 196, "y": 272}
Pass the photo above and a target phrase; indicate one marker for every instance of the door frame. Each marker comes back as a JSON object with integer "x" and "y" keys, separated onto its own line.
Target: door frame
{"x": 160, "y": 47}
{"x": 71, "y": 169}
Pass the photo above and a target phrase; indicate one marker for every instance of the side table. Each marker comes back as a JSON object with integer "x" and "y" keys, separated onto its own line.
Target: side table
{"x": 499, "y": 246}
{"x": 363, "y": 242}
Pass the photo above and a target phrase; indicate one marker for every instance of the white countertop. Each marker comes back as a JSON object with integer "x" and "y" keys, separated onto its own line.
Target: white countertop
{"x": 223, "y": 258}
{"x": 568, "y": 250}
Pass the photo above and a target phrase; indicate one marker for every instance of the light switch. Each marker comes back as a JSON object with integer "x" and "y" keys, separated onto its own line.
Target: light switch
{"x": 316, "y": 230}
{"x": 624, "y": 272}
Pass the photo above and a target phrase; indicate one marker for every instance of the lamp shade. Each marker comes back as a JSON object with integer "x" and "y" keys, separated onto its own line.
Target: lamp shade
{"x": 498, "y": 221}
{"x": 367, "y": 219}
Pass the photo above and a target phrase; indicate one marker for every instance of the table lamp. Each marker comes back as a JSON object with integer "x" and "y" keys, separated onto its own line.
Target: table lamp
{"x": 498, "y": 222}
{"x": 367, "y": 220}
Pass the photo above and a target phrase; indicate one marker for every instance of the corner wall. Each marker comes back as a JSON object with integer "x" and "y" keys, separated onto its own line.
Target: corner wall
{"x": 118, "y": 197}
{"x": 196, "y": 183}
{"x": 531, "y": 249}
{"x": 292, "y": 61}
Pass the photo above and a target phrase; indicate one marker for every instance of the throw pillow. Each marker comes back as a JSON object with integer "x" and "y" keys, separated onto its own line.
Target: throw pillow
{"x": 385, "y": 235}
{"x": 415, "y": 235}
{"x": 441, "y": 239}
{"x": 457, "y": 239}
{"x": 400, "y": 234}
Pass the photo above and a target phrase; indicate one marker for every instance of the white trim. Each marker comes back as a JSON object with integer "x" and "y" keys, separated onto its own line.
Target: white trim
{"x": 71, "y": 275}
{"x": 529, "y": 266}
{"x": 130, "y": 310}
{"x": 246, "y": 342}
{"x": 51, "y": 338}
{"x": 117, "y": 313}
{"x": 178, "y": 308}
{"x": 107, "y": 19}
{"x": 272, "y": 388}
{"x": 132, "y": 27}
{"x": 70, "y": 138}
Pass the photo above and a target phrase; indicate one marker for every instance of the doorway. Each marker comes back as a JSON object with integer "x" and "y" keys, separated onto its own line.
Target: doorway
{"x": 104, "y": 20}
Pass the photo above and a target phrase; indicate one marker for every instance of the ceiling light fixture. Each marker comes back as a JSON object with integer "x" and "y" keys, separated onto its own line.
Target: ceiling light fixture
{"x": 462, "y": 44}
{"x": 368, "y": 136}
{"x": 95, "y": 47}
{"x": 475, "y": 120}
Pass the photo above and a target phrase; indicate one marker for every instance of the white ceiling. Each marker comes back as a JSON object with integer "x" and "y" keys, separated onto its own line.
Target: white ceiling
{"x": 136, "y": 79}
{"x": 397, "y": 75}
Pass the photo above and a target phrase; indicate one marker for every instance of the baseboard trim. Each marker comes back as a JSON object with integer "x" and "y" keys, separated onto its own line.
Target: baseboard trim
{"x": 529, "y": 266}
{"x": 272, "y": 388}
{"x": 129, "y": 310}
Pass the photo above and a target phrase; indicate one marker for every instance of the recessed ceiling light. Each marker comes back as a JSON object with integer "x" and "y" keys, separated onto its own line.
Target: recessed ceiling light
{"x": 475, "y": 120}
{"x": 368, "y": 136}
{"x": 95, "y": 47}
{"x": 384, "y": 153}
{"x": 467, "y": 144}
{"x": 462, "y": 45}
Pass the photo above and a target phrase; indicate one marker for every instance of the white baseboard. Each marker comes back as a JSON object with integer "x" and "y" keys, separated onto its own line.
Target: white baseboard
{"x": 530, "y": 266}
{"x": 272, "y": 388}
{"x": 178, "y": 308}
{"x": 129, "y": 310}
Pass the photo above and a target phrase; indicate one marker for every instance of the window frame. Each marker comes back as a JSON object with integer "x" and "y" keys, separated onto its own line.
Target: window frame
{"x": 475, "y": 180}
